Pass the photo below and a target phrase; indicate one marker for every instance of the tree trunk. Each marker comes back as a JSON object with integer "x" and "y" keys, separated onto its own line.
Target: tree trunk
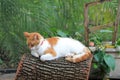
{"x": 31, "y": 68}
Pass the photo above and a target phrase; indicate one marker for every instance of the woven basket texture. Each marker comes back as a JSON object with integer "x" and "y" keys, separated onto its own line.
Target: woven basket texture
{"x": 31, "y": 68}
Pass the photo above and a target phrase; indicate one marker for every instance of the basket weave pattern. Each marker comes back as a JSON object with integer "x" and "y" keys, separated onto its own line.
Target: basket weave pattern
{"x": 31, "y": 68}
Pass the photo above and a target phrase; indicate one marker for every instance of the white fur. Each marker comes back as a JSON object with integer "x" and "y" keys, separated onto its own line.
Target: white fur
{"x": 64, "y": 47}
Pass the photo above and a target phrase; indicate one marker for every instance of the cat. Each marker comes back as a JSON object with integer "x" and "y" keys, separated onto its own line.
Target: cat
{"x": 56, "y": 47}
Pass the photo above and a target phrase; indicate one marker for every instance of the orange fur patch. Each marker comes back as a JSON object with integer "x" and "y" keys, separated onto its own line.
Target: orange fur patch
{"x": 85, "y": 56}
{"x": 51, "y": 51}
{"x": 82, "y": 58}
{"x": 52, "y": 41}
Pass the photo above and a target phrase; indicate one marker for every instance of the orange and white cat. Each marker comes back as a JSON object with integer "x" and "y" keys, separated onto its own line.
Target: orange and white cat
{"x": 56, "y": 47}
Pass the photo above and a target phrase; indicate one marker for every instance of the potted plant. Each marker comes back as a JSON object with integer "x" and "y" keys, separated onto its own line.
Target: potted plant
{"x": 94, "y": 42}
{"x": 102, "y": 64}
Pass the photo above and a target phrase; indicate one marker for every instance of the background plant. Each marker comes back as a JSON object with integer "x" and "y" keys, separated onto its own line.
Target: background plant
{"x": 103, "y": 62}
{"x": 118, "y": 42}
{"x": 50, "y": 18}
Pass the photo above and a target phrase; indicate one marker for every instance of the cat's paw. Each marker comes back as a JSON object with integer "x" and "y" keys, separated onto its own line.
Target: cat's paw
{"x": 70, "y": 55}
{"x": 43, "y": 58}
{"x": 35, "y": 55}
{"x": 46, "y": 57}
{"x": 69, "y": 58}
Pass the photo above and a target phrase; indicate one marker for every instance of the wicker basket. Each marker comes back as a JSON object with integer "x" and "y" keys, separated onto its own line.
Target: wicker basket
{"x": 31, "y": 68}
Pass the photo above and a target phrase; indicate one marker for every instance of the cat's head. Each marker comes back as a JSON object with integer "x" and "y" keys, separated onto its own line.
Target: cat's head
{"x": 33, "y": 39}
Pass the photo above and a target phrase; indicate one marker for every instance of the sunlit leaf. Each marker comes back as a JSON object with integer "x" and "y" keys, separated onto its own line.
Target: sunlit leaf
{"x": 62, "y": 34}
{"x": 95, "y": 65}
{"x": 110, "y": 61}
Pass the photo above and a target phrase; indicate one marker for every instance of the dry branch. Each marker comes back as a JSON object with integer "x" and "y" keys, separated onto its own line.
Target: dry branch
{"x": 95, "y": 28}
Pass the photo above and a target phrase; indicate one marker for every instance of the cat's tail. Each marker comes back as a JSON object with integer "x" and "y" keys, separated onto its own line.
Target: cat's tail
{"x": 80, "y": 57}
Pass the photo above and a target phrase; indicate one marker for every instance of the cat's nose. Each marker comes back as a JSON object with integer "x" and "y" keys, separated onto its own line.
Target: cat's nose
{"x": 30, "y": 46}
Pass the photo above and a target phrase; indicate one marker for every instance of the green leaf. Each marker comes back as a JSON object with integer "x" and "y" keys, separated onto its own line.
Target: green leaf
{"x": 99, "y": 56}
{"x": 1, "y": 61}
{"x": 62, "y": 34}
{"x": 110, "y": 61}
{"x": 118, "y": 41}
{"x": 95, "y": 65}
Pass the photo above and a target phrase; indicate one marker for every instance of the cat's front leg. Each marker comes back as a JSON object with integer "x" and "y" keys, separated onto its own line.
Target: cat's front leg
{"x": 47, "y": 57}
{"x": 34, "y": 54}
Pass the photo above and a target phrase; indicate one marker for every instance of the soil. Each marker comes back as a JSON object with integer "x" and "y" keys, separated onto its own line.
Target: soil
{"x": 9, "y": 76}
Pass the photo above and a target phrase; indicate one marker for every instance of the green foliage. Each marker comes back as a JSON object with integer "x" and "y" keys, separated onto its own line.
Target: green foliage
{"x": 110, "y": 61}
{"x": 103, "y": 14}
{"x": 97, "y": 40}
{"x": 48, "y": 17}
{"x": 1, "y": 62}
{"x": 118, "y": 42}
{"x": 103, "y": 61}
{"x": 62, "y": 34}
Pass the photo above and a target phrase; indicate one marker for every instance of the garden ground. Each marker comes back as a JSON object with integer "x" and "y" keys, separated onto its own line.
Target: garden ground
{"x": 10, "y": 76}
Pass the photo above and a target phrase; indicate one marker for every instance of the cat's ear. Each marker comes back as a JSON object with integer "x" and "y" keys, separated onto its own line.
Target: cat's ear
{"x": 26, "y": 34}
{"x": 36, "y": 36}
